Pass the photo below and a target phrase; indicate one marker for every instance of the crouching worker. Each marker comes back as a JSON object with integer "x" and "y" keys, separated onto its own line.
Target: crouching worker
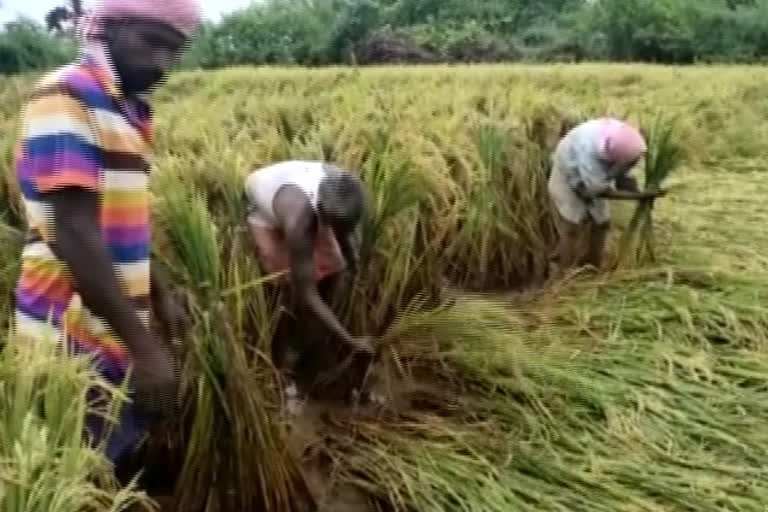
{"x": 591, "y": 165}
{"x": 302, "y": 216}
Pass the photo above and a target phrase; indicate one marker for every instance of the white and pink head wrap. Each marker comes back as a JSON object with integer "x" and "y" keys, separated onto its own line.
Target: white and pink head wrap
{"x": 182, "y": 15}
{"x": 620, "y": 142}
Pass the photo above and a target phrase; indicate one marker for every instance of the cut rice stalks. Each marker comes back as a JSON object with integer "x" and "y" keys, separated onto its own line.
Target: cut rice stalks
{"x": 662, "y": 158}
{"x": 235, "y": 458}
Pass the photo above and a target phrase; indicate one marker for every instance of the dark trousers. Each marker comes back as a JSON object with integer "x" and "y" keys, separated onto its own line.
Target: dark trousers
{"x": 303, "y": 349}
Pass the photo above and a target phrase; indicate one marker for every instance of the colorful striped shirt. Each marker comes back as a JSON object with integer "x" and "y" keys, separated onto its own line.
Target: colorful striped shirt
{"x": 78, "y": 130}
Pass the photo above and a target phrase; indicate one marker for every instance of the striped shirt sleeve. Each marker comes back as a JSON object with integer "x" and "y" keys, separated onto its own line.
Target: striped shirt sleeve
{"x": 60, "y": 147}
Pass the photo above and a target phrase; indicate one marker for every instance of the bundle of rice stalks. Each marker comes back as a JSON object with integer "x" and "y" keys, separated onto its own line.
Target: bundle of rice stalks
{"x": 662, "y": 158}
{"x": 45, "y": 464}
{"x": 235, "y": 458}
{"x": 10, "y": 198}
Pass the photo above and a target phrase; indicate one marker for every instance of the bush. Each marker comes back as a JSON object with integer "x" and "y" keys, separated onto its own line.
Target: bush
{"x": 465, "y": 42}
{"x": 377, "y": 31}
{"x": 322, "y": 32}
{"x": 274, "y": 33}
{"x": 385, "y": 46}
{"x": 26, "y": 46}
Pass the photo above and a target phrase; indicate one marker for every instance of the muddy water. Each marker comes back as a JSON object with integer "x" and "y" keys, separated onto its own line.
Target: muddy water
{"x": 318, "y": 419}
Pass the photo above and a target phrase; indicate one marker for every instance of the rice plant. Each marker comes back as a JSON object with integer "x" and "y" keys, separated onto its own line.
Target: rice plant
{"x": 662, "y": 158}
{"x": 631, "y": 391}
{"x": 235, "y": 458}
{"x": 45, "y": 463}
{"x": 583, "y": 408}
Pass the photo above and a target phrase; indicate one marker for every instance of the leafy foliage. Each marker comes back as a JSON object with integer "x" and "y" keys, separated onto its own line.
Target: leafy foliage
{"x": 323, "y": 32}
{"x": 25, "y": 46}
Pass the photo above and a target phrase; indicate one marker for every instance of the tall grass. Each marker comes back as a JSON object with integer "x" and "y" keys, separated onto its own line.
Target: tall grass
{"x": 639, "y": 393}
{"x": 598, "y": 399}
{"x": 45, "y": 464}
{"x": 235, "y": 458}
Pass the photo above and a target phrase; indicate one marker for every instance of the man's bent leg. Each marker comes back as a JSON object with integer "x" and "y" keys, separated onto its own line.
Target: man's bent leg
{"x": 570, "y": 210}
{"x": 567, "y": 253}
{"x": 597, "y": 237}
{"x": 287, "y": 348}
{"x": 286, "y": 341}
{"x": 320, "y": 352}
{"x": 599, "y": 214}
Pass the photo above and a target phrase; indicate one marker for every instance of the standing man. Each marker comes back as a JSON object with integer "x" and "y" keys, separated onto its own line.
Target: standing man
{"x": 587, "y": 162}
{"x": 83, "y": 168}
{"x": 302, "y": 218}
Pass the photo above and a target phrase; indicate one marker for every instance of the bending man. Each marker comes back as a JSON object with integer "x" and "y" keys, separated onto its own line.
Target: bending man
{"x": 591, "y": 165}
{"x": 302, "y": 218}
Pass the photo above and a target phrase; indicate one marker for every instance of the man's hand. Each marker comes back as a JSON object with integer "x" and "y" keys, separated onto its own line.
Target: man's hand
{"x": 362, "y": 345}
{"x": 350, "y": 249}
{"x": 352, "y": 267}
{"x": 654, "y": 193}
{"x": 170, "y": 307}
{"x": 627, "y": 183}
{"x": 155, "y": 376}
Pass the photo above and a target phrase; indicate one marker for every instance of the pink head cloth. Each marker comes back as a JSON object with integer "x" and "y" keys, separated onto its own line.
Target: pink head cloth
{"x": 620, "y": 142}
{"x": 183, "y": 15}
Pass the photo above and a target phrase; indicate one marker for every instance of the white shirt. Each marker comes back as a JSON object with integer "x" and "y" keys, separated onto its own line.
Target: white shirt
{"x": 262, "y": 186}
{"x": 577, "y": 157}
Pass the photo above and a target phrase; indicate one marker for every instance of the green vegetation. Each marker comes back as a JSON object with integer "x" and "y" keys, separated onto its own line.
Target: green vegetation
{"x": 44, "y": 464}
{"x": 324, "y": 32}
{"x": 638, "y": 389}
{"x": 26, "y": 46}
{"x": 376, "y": 31}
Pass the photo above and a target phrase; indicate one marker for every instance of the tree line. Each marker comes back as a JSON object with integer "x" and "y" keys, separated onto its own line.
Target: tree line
{"x": 324, "y": 32}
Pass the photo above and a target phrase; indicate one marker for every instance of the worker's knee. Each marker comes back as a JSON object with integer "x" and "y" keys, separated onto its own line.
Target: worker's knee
{"x": 601, "y": 226}
{"x": 568, "y": 227}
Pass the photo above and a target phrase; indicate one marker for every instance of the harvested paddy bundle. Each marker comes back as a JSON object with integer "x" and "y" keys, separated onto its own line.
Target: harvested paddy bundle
{"x": 234, "y": 456}
{"x": 662, "y": 158}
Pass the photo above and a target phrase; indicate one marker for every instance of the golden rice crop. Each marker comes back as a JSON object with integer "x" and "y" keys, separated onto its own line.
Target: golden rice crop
{"x": 636, "y": 392}
{"x": 44, "y": 464}
{"x": 235, "y": 458}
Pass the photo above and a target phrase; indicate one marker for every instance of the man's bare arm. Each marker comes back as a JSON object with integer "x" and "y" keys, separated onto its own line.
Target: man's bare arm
{"x": 79, "y": 243}
{"x": 348, "y": 249}
{"x": 633, "y": 196}
{"x": 299, "y": 227}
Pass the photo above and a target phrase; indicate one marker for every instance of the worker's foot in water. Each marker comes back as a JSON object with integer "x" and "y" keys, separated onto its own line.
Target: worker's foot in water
{"x": 294, "y": 402}
{"x": 369, "y": 397}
